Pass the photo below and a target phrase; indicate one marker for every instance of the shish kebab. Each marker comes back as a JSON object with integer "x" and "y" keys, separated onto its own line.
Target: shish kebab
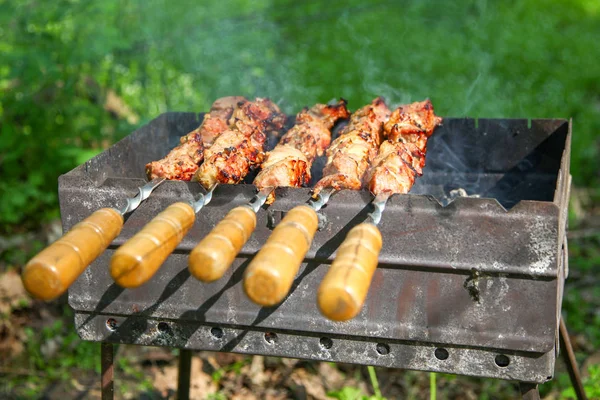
{"x": 52, "y": 271}
{"x": 183, "y": 161}
{"x": 269, "y": 276}
{"x": 401, "y": 158}
{"x": 233, "y": 153}
{"x": 287, "y": 165}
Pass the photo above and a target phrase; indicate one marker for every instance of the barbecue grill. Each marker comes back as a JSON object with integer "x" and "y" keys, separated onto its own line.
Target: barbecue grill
{"x": 470, "y": 277}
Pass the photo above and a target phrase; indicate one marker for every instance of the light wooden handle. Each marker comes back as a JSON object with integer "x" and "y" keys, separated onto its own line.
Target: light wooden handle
{"x": 214, "y": 254}
{"x": 50, "y": 273}
{"x": 343, "y": 290}
{"x": 270, "y": 275}
{"x": 138, "y": 259}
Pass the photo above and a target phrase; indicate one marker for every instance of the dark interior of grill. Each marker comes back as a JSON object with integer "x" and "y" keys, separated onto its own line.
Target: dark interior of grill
{"x": 506, "y": 159}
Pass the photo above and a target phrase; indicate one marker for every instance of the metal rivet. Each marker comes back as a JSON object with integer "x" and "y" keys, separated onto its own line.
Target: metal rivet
{"x": 271, "y": 337}
{"x": 111, "y": 324}
{"x": 502, "y": 360}
{"x": 326, "y": 343}
{"x": 217, "y": 332}
{"x": 441, "y": 353}
{"x": 383, "y": 349}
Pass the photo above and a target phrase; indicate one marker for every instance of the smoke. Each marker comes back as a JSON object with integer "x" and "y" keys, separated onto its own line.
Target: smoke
{"x": 301, "y": 53}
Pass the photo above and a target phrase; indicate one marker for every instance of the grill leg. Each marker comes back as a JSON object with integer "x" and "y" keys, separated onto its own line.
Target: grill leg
{"x": 183, "y": 380}
{"x": 106, "y": 356}
{"x": 569, "y": 357}
{"x": 529, "y": 391}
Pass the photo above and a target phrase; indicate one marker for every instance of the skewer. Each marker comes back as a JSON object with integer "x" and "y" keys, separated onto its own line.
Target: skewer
{"x": 401, "y": 158}
{"x": 288, "y": 165}
{"x": 50, "y": 273}
{"x": 138, "y": 259}
{"x": 270, "y": 274}
{"x": 215, "y": 253}
{"x": 344, "y": 288}
{"x": 228, "y": 160}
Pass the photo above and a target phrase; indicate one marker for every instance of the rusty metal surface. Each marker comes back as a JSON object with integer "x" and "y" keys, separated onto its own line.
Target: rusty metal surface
{"x": 527, "y": 367}
{"x": 529, "y": 391}
{"x": 571, "y": 362}
{"x": 480, "y": 275}
{"x": 107, "y": 382}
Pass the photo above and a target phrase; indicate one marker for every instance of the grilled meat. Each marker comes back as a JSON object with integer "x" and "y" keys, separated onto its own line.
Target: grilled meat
{"x": 350, "y": 154}
{"x": 312, "y": 132}
{"x": 240, "y": 148}
{"x": 412, "y": 123}
{"x": 284, "y": 166}
{"x": 290, "y": 162}
{"x": 182, "y": 162}
{"x": 401, "y": 157}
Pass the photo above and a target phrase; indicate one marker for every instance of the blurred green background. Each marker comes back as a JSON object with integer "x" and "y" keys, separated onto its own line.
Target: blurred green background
{"x": 77, "y": 75}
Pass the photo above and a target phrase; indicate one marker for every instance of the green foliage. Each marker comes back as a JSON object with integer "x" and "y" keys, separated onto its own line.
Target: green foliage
{"x": 374, "y": 381}
{"x": 236, "y": 367}
{"x": 352, "y": 393}
{"x": 63, "y": 59}
{"x": 591, "y": 385}
{"x": 70, "y": 351}
{"x": 582, "y": 318}
{"x": 57, "y": 354}
{"x": 132, "y": 378}
{"x": 216, "y": 396}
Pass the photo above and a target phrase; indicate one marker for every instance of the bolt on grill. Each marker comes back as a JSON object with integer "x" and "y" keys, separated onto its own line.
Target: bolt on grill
{"x": 470, "y": 276}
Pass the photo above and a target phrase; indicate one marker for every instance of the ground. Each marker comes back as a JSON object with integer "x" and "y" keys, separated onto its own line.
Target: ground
{"x": 76, "y": 76}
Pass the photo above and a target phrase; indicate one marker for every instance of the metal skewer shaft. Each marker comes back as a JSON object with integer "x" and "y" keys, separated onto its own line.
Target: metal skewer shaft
{"x": 215, "y": 253}
{"x": 270, "y": 274}
{"x": 344, "y": 289}
{"x": 50, "y": 273}
{"x": 138, "y": 259}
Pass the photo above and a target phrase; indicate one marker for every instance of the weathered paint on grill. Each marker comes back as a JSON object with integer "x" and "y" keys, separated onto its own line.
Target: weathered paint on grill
{"x": 471, "y": 277}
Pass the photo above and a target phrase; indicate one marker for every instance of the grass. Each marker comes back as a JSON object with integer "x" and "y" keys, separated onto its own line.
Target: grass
{"x": 473, "y": 58}
{"x": 56, "y": 356}
{"x": 476, "y": 58}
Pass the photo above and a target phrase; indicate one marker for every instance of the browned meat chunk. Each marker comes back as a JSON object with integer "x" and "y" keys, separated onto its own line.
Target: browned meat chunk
{"x": 350, "y": 154}
{"x": 182, "y": 162}
{"x": 290, "y": 162}
{"x": 401, "y": 157}
{"x": 239, "y": 149}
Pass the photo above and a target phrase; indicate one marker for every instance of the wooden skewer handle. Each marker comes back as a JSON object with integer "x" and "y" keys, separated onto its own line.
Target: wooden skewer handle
{"x": 214, "y": 254}
{"x": 270, "y": 275}
{"x": 138, "y": 259}
{"x": 50, "y": 273}
{"x": 343, "y": 290}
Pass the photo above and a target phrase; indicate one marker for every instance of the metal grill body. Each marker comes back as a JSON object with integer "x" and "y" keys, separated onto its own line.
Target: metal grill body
{"x": 460, "y": 288}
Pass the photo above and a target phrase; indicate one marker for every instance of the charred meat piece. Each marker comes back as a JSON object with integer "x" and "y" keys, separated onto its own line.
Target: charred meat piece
{"x": 395, "y": 167}
{"x": 182, "y": 162}
{"x": 401, "y": 157}
{"x": 239, "y": 149}
{"x": 412, "y": 123}
{"x": 284, "y": 166}
{"x": 350, "y": 154}
{"x": 219, "y": 118}
{"x": 290, "y": 161}
{"x": 312, "y": 132}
